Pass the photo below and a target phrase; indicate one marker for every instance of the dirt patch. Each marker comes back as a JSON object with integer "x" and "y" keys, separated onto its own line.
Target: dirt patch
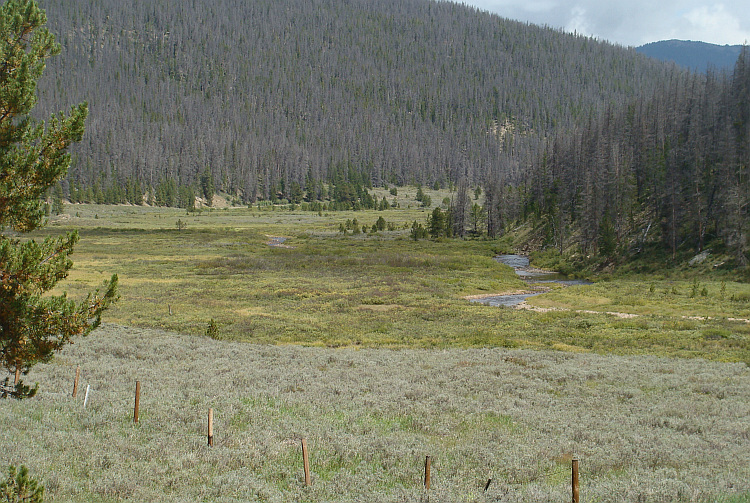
{"x": 536, "y": 309}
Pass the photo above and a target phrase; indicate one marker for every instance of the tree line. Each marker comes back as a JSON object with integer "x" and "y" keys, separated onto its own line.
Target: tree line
{"x": 670, "y": 169}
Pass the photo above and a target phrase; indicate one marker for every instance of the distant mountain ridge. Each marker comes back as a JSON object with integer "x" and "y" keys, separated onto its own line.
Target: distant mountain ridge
{"x": 697, "y": 56}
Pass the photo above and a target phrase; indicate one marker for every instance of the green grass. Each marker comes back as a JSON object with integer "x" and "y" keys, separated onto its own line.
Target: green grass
{"x": 382, "y": 290}
{"x": 365, "y": 346}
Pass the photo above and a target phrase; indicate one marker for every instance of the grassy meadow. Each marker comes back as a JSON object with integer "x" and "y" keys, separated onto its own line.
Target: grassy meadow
{"x": 366, "y": 345}
{"x": 322, "y": 288}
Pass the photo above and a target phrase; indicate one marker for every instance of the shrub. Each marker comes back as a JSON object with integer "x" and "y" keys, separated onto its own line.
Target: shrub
{"x": 19, "y": 487}
{"x": 741, "y": 297}
{"x": 213, "y": 329}
{"x": 714, "y": 334}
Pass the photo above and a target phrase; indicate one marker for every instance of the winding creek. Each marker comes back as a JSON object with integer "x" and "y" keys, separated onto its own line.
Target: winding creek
{"x": 532, "y": 276}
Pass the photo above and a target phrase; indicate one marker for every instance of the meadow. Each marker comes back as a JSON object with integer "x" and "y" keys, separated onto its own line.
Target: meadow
{"x": 323, "y": 288}
{"x": 646, "y": 429}
{"x": 366, "y": 345}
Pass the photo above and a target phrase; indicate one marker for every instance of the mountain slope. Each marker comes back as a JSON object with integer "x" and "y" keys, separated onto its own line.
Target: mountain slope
{"x": 269, "y": 93}
{"x": 698, "y": 56}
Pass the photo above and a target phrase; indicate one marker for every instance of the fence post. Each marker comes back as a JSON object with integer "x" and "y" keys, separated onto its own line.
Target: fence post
{"x": 210, "y": 427}
{"x": 427, "y": 466}
{"x": 18, "y": 375}
{"x": 75, "y": 383}
{"x": 575, "y": 480}
{"x": 137, "y": 401}
{"x": 306, "y": 463}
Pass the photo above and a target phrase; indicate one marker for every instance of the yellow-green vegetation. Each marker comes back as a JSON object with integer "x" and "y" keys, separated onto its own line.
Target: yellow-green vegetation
{"x": 675, "y": 299}
{"x": 319, "y": 287}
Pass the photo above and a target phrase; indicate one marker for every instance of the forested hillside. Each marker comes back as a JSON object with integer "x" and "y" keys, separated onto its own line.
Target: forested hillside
{"x": 269, "y": 96}
{"x": 697, "y": 56}
{"x": 671, "y": 170}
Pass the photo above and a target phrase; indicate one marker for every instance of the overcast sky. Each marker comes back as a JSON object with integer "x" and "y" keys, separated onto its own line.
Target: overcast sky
{"x": 635, "y": 22}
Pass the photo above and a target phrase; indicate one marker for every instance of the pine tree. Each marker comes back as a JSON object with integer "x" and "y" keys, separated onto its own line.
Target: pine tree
{"x": 19, "y": 487}
{"x": 207, "y": 186}
{"x": 33, "y": 159}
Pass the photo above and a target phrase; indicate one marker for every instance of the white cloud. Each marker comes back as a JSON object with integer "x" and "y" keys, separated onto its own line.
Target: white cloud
{"x": 713, "y": 23}
{"x": 578, "y": 22}
{"x": 634, "y": 22}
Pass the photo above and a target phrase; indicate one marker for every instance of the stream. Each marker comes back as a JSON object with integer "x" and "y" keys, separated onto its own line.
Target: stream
{"x": 520, "y": 264}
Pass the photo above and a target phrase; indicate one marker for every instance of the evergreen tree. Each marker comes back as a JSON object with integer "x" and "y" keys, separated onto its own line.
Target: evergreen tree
{"x": 418, "y": 231}
{"x": 607, "y": 239}
{"x": 33, "y": 159}
{"x": 57, "y": 200}
{"x": 437, "y": 223}
{"x": 20, "y": 488}
{"x": 207, "y": 186}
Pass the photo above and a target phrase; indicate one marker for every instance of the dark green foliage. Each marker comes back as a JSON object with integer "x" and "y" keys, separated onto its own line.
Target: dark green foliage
{"x": 418, "y": 231}
{"x": 33, "y": 159}
{"x": 420, "y": 194}
{"x": 439, "y": 224}
{"x": 57, "y": 200}
{"x": 18, "y": 390}
{"x": 668, "y": 169}
{"x": 207, "y": 186}
{"x": 607, "y": 241}
{"x": 20, "y": 488}
{"x": 212, "y": 330}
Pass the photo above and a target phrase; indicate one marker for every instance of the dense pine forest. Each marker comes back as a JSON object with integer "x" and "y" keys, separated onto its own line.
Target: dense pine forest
{"x": 671, "y": 169}
{"x": 606, "y": 150}
{"x": 266, "y": 98}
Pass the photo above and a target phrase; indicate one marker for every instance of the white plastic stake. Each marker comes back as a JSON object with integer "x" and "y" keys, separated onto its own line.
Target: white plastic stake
{"x": 86, "y": 399}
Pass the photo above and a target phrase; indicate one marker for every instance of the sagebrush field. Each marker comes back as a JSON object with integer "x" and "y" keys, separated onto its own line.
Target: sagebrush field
{"x": 366, "y": 345}
{"x": 645, "y": 428}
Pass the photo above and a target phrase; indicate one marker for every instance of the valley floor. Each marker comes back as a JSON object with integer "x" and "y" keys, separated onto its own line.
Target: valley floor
{"x": 645, "y": 428}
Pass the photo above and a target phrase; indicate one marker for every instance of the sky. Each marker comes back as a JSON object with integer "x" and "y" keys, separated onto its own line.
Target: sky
{"x": 635, "y": 22}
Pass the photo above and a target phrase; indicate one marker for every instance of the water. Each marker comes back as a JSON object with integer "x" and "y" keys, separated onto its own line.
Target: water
{"x": 520, "y": 264}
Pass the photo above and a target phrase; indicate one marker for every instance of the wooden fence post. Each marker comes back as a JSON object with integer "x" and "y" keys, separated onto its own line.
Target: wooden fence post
{"x": 427, "y": 466}
{"x": 18, "y": 375}
{"x": 575, "y": 481}
{"x": 137, "y": 401}
{"x": 75, "y": 383}
{"x": 210, "y": 427}
{"x": 306, "y": 463}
